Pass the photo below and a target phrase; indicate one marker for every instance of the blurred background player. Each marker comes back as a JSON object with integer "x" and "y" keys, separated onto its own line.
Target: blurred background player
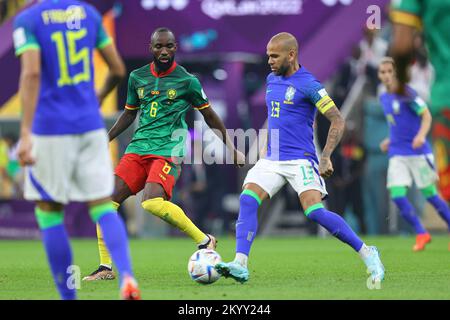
{"x": 164, "y": 92}
{"x": 433, "y": 18}
{"x": 292, "y": 96}
{"x": 411, "y": 156}
{"x": 63, "y": 140}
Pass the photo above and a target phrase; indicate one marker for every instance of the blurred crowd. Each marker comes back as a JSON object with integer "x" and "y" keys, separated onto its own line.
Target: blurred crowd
{"x": 8, "y": 8}
{"x": 11, "y": 174}
{"x": 358, "y": 186}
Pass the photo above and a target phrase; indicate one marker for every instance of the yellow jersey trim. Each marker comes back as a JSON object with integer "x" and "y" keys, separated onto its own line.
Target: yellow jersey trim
{"x": 406, "y": 18}
{"x": 129, "y": 107}
{"x": 203, "y": 106}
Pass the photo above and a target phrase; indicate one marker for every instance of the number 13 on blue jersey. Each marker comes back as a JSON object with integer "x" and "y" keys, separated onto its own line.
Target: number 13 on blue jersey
{"x": 275, "y": 109}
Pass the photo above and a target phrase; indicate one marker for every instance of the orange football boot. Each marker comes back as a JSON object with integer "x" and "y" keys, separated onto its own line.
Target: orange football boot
{"x": 421, "y": 241}
{"x": 129, "y": 289}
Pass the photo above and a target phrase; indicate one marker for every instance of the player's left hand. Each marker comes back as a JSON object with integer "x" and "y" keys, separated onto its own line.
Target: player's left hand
{"x": 24, "y": 150}
{"x": 239, "y": 158}
{"x": 418, "y": 142}
{"x": 325, "y": 167}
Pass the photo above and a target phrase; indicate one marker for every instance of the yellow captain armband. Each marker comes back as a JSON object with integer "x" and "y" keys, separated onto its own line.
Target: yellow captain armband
{"x": 325, "y": 104}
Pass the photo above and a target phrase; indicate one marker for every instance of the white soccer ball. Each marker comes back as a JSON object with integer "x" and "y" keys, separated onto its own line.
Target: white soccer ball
{"x": 201, "y": 266}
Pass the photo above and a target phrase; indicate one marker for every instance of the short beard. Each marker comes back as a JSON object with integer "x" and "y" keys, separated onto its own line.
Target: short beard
{"x": 283, "y": 70}
{"x": 162, "y": 67}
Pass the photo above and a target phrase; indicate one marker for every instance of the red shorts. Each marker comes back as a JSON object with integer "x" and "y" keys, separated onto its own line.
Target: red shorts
{"x": 136, "y": 170}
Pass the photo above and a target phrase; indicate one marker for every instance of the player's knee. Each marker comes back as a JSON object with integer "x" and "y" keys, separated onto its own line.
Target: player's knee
{"x": 429, "y": 191}
{"x": 154, "y": 206}
{"x": 48, "y": 219}
{"x": 398, "y": 192}
{"x": 313, "y": 210}
{"x": 97, "y": 211}
{"x": 248, "y": 198}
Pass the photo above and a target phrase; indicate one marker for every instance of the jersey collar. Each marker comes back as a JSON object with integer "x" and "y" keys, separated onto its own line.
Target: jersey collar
{"x": 162, "y": 74}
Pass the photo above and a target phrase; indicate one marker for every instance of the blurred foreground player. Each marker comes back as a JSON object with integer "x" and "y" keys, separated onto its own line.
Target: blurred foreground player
{"x": 163, "y": 92}
{"x": 292, "y": 97}
{"x": 63, "y": 141}
{"x": 410, "y": 155}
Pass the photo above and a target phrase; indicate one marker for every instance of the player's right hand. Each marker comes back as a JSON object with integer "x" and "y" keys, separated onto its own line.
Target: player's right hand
{"x": 24, "y": 150}
{"x": 239, "y": 158}
{"x": 325, "y": 167}
{"x": 418, "y": 141}
{"x": 384, "y": 145}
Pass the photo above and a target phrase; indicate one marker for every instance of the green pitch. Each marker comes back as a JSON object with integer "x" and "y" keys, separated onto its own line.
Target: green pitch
{"x": 280, "y": 268}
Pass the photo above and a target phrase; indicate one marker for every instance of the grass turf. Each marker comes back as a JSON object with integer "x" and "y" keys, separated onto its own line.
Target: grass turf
{"x": 280, "y": 268}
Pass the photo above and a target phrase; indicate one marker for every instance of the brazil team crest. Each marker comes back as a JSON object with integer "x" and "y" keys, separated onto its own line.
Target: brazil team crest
{"x": 171, "y": 94}
{"x": 140, "y": 92}
{"x": 289, "y": 96}
{"x": 396, "y": 107}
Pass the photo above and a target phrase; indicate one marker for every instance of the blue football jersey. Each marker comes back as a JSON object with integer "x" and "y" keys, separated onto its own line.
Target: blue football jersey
{"x": 65, "y": 32}
{"x": 403, "y": 116}
{"x": 292, "y": 103}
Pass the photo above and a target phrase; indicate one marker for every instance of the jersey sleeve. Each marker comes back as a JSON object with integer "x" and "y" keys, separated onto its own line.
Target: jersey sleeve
{"x": 102, "y": 39}
{"x": 23, "y": 35}
{"x": 132, "y": 97}
{"x": 197, "y": 95}
{"x": 407, "y": 12}
{"x": 319, "y": 97}
{"x": 418, "y": 105}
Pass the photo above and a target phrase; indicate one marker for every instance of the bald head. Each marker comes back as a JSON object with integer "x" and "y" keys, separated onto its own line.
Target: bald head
{"x": 282, "y": 51}
{"x": 286, "y": 40}
{"x": 162, "y": 30}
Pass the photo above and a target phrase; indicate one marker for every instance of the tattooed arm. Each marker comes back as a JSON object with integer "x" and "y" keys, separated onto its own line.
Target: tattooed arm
{"x": 337, "y": 128}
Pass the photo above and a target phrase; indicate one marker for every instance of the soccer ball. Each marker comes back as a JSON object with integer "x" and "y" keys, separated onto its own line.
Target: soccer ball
{"x": 201, "y": 266}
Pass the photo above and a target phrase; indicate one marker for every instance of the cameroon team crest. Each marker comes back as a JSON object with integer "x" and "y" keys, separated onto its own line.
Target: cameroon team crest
{"x": 140, "y": 92}
{"x": 171, "y": 94}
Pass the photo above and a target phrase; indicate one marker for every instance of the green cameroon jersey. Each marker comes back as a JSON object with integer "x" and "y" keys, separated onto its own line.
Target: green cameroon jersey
{"x": 163, "y": 100}
{"x": 434, "y": 17}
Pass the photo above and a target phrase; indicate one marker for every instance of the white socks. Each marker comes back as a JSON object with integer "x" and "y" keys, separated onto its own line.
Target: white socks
{"x": 242, "y": 259}
{"x": 364, "y": 252}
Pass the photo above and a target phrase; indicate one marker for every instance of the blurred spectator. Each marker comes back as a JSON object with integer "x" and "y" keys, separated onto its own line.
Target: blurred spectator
{"x": 373, "y": 49}
{"x": 422, "y": 71}
{"x": 342, "y": 83}
{"x": 375, "y": 195}
{"x": 346, "y": 76}
{"x": 4, "y": 180}
{"x": 345, "y": 184}
{"x": 8, "y": 8}
{"x": 3, "y": 9}
{"x": 11, "y": 184}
